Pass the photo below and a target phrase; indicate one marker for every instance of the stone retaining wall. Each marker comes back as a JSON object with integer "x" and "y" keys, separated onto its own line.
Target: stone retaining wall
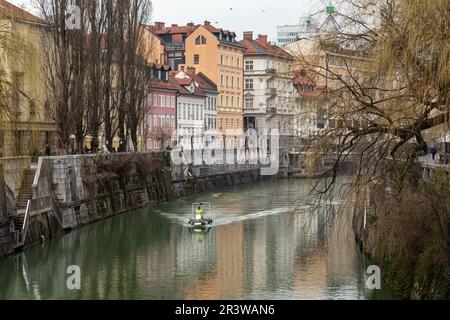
{"x": 88, "y": 188}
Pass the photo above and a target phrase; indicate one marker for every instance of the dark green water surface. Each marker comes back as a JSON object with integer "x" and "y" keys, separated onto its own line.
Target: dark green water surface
{"x": 260, "y": 248}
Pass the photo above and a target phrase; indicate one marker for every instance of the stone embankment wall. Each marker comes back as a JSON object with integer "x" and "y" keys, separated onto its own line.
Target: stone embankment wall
{"x": 72, "y": 191}
{"x": 5, "y": 236}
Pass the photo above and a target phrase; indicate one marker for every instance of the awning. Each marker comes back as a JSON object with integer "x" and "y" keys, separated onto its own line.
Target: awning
{"x": 445, "y": 139}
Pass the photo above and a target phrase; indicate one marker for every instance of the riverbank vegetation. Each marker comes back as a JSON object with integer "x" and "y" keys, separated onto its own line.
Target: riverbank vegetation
{"x": 384, "y": 67}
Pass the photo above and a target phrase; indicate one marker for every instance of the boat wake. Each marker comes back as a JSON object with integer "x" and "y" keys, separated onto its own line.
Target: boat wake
{"x": 221, "y": 219}
{"x": 232, "y": 219}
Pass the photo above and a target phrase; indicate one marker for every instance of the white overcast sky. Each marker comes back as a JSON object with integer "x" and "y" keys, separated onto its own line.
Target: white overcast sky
{"x": 259, "y": 16}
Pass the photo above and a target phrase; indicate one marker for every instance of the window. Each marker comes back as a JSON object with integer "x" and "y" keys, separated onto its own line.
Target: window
{"x": 196, "y": 59}
{"x": 238, "y": 62}
{"x": 221, "y": 80}
{"x": 173, "y": 102}
{"x": 249, "y": 65}
{"x": 184, "y": 111}
{"x": 232, "y": 82}
{"x": 149, "y": 100}
{"x": 248, "y": 103}
{"x": 221, "y": 59}
{"x": 168, "y": 101}
{"x": 155, "y": 121}
{"x": 200, "y": 40}
{"x": 168, "y": 121}
{"x": 248, "y": 84}
{"x": 173, "y": 122}
{"x": 17, "y": 87}
{"x": 238, "y": 102}
{"x": 227, "y": 81}
{"x": 162, "y": 100}
{"x": 239, "y": 83}
{"x": 232, "y": 102}
{"x": 227, "y": 102}
{"x": 155, "y": 100}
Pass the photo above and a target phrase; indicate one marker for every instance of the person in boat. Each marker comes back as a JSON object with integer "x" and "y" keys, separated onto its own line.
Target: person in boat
{"x": 199, "y": 213}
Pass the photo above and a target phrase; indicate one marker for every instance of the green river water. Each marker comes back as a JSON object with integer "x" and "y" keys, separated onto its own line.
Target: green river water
{"x": 259, "y": 248}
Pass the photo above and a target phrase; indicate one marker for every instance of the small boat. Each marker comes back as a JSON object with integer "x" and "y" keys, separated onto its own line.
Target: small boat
{"x": 205, "y": 222}
{"x": 201, "y": 223}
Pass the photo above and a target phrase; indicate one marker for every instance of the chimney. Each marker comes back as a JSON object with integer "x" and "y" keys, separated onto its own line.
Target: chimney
{"x": 262, "y": 40}
{"x": 174, "y": 25}
{"x": 207, "y": 23}
{"x": 191, "y": 71}
{"x": 159, "y": 25}
{"x": 248, "y": 35}
{"x": 190, "y": 24}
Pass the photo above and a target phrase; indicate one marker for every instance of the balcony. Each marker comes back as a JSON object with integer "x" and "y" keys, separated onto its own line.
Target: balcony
{"x": 271, "y": 110}
{"x": 171, "y": 46}
{"x": 271, "y": 92}
{"x": 271, "y": 71}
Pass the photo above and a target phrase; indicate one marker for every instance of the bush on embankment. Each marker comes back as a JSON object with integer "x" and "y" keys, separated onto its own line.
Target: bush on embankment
{"x": 409, "y": 236}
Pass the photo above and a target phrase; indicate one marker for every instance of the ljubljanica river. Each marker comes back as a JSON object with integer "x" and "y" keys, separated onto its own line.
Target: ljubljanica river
{"x": 258, "y": 249}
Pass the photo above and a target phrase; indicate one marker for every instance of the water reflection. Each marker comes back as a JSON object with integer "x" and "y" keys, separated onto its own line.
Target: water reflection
{"x": 259, "y": 251}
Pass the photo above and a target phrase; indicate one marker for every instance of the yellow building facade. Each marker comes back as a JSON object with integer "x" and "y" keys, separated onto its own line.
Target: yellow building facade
{"x": 215, "y": 53}
{"x": 27, "y": 127}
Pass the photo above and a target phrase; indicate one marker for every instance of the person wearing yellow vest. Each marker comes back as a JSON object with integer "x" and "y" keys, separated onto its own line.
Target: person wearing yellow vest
{"x": 199, "y": 213}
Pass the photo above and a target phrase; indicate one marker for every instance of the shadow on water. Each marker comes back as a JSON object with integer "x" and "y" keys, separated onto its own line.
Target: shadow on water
{"x": 260, "y": 248}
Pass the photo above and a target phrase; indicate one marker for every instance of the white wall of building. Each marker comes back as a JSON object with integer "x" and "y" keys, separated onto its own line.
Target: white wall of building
{"x": 276, "y": 109}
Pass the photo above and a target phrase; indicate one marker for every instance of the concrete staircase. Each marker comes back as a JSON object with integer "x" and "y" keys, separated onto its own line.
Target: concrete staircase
{"x": 25, "y": 194}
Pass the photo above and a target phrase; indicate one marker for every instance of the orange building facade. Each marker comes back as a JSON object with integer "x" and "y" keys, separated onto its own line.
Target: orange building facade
{"x": 216, "y": 53}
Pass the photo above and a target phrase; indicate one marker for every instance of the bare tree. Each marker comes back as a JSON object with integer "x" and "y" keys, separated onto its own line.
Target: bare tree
{"x": 132, "y": 66}
{"x": 65, "y": 70}
{"x": 384, "y": 69}
{"x": 95, "y": 75}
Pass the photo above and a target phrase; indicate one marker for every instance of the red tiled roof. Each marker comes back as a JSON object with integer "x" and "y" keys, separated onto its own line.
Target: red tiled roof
{"x": 205, "y": 83}
{"x": 174, "y": 30}
{"x": 159, "y": 84}
{"x": 180, "y": 86}
{"x": 208, "y": 26}
{"x": 259, "y": 47}
{"x": 11, "y": 11}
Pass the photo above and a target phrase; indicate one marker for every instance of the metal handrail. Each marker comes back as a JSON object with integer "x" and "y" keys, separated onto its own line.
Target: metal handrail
{"x": 23, "y": 232}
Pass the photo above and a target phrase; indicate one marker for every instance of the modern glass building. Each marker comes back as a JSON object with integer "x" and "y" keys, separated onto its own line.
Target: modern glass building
{"x": 288, "y": 34}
